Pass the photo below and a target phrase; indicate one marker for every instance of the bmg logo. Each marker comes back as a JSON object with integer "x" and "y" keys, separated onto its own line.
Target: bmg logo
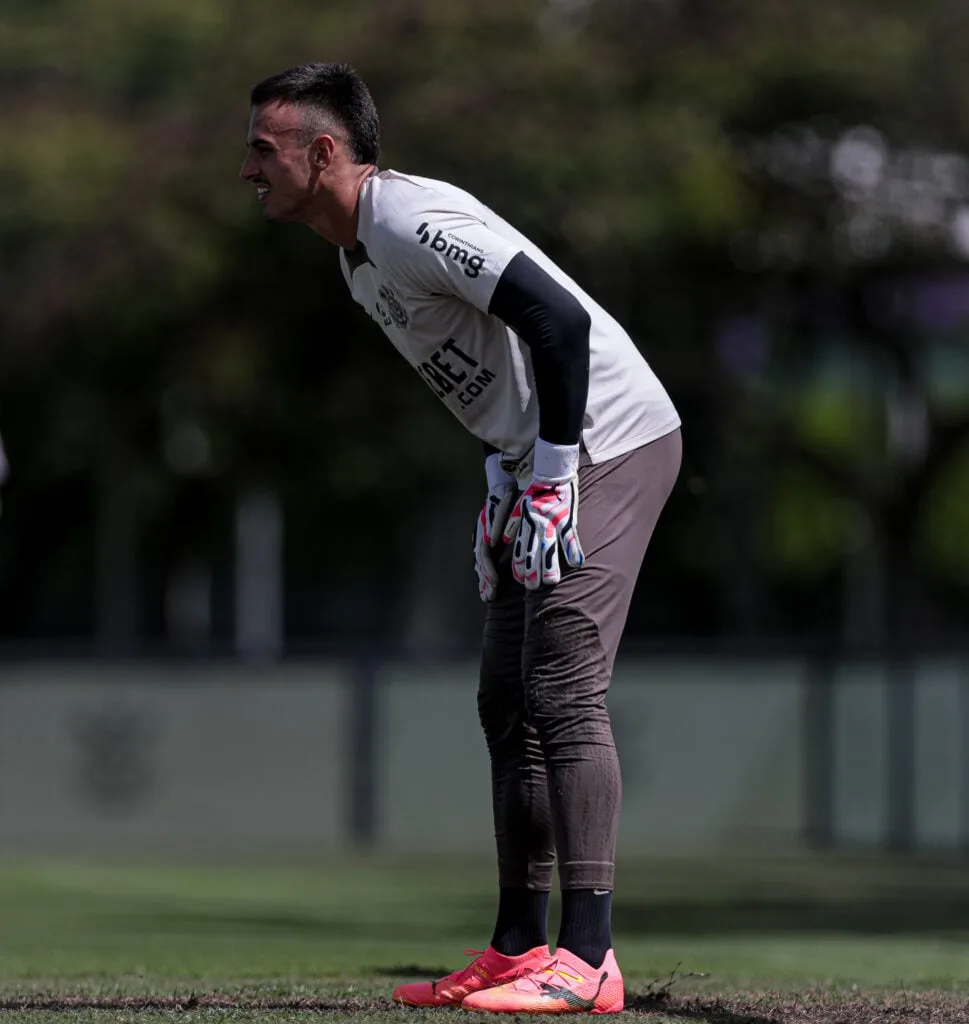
{"x": 457, "y": 253}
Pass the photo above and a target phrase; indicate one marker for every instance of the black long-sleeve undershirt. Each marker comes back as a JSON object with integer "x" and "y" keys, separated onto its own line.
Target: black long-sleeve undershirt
{"x": 555, "y": 326}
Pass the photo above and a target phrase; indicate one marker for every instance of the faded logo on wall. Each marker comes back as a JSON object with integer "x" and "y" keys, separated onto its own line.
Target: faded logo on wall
{"x": 115, "y": 756}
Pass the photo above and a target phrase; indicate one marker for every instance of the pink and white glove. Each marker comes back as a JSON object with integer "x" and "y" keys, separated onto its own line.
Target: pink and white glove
{"x": 544, "y": 521}
{"x": 502, "y": 491}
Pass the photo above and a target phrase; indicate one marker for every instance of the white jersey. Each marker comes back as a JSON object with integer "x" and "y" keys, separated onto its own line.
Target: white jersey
{"x": 429, "y": 259}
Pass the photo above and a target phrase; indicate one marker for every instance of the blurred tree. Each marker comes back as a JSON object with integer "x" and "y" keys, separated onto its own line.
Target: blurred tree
{"x": 764, "y": 194}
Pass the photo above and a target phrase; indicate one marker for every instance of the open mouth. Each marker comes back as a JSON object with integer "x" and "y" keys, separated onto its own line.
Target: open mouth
{"x": 261, "y": 192}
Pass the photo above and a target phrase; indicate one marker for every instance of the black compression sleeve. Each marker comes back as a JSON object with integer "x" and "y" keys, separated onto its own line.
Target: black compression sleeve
{"x": 555, "y": 326}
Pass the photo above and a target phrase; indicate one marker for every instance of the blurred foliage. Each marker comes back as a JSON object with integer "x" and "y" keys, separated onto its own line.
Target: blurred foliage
{"x": 771, "y": 197}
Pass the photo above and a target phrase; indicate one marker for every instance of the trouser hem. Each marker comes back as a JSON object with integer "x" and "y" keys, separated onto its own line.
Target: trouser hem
{"x": 537, "y": 877}
{"x": 585, "y": 874}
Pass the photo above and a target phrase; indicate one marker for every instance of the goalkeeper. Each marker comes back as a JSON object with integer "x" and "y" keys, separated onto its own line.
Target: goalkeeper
{"x": 571, "y": 416}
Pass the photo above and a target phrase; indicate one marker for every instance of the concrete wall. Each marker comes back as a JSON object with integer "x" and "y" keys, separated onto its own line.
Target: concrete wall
{"x": 223, "y": 758}
{"x": 114, "y": 758}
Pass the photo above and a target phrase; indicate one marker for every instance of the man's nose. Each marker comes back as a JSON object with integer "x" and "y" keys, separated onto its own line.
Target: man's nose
{"x": 248, "y": 169}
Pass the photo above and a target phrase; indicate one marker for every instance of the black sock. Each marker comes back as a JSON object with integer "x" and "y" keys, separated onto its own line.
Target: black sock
{"x": 586, "y": 924}
{"x": 522, "y": 921}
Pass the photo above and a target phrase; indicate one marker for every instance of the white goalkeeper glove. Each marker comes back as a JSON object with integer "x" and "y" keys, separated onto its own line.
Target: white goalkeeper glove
{"x": 502, "y": 491}
{"x": 544, "y": 521}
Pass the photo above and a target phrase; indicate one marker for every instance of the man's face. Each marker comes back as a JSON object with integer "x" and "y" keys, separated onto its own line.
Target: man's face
{"x": 278, "y": 164}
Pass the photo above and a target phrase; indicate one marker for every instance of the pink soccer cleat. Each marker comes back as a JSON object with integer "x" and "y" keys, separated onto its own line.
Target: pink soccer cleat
{"x": 565, "y": 984}
{"x": 486, "y": 970}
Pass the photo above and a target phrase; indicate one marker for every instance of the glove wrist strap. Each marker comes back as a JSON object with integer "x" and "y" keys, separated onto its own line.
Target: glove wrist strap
{"x": 497, "y": 477}
{"x": 555, "y": 463}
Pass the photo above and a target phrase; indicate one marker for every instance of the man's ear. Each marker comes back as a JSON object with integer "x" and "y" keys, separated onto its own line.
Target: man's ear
{"x": 321, "y": 151}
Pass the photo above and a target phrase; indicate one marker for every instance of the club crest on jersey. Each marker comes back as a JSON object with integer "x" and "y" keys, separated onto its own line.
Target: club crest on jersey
{"x": 391, "y": 310}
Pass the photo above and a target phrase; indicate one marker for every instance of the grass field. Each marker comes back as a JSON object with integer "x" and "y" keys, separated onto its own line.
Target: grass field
{"x": 739, "y": 941}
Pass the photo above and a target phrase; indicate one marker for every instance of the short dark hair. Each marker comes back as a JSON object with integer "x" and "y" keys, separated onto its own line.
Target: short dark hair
{"x": 328, "y": 93}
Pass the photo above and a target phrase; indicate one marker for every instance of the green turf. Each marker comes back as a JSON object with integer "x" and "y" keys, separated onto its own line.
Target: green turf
{"x": 288, "y": 941}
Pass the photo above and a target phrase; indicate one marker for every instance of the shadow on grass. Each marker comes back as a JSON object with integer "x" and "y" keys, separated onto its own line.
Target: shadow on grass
{"x": 422, "y": 973}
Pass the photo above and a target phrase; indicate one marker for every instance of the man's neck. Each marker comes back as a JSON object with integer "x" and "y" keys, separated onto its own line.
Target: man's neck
{"x": 337, "y": 222}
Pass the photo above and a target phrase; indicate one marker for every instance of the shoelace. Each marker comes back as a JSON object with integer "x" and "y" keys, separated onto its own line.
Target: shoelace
{"x": 554, "y": 969}
{"x": 464, "y": 972}
{"x": 460, "y": 975}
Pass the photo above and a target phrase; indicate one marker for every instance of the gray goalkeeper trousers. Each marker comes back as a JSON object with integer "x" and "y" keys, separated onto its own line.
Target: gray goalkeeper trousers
{"x": 546, "y": 662}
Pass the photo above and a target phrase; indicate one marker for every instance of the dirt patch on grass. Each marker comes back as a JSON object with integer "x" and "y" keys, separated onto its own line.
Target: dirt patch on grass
{"x": 180, "y": 1004}
{"x": 735, "y": 1008}
{"x": 820, "y": 1008}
